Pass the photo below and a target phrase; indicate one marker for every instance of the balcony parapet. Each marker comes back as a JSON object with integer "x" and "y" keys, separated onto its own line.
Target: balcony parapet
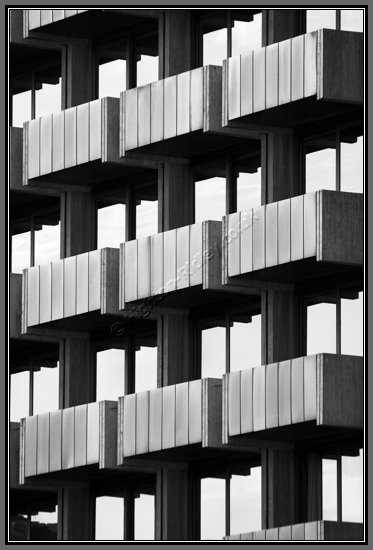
{"x": 315, "y": 530}
{"x": 322, "y": 70}
{"x": 295, "y": 399}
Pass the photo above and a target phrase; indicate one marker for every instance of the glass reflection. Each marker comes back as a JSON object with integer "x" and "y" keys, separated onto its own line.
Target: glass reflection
{"x": 320, "y": 19}
{"x": 47, "y": 244}
{"x": 21, "y": 108}
{"x": 210, "y": 199}
{"x": 352, "y": 20}
{"x": 352, "y": 326}
{"x": 320, "y": 163}
{"x": 213, "y": 352}
{"x": 245, "y": 344}
{"x": 321, "y": 328}
{"x": 329, "y": 489}
{"x": 110, "y": 374}
{"x": 146, "y": 218}
{"x": 46, "y": 384}
{"x": 109, "y": 524}
{"x": 112, "y": 78}
{"x": 111, "y": 226}
{"x": 19, "y": 395}
{"x": 245, "y": 502}
{"x": 353, "y": 488}
{"x": 247, "y": 35}
{"x": 48, "y": 99}
{"x": 144, "y": 517}
{"x": 20, "y": 251}
{"x": 212, "y": 508}
{"x": 146, "y": 369}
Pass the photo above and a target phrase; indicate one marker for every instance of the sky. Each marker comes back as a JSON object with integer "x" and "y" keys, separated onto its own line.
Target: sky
{"x": 245, "y": 337}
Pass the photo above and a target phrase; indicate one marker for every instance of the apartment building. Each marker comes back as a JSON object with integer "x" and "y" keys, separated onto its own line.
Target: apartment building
{"x": 186, "y": 288}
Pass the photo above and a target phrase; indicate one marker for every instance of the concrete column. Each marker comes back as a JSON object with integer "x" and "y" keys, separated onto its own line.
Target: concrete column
{"x": 173, "y": 505}
{"x": 282, "y": 24}
{"x": 174, "y": 349}
{"x": 278, "y": 488}
{"x": 175, "y": 196}
{"x": 79, "y": 73}
{"x": 176, "y": 44}
{"x": 77, "y": 372}
{"x": 78, "y": 223}
{"x": 75, "y": 513}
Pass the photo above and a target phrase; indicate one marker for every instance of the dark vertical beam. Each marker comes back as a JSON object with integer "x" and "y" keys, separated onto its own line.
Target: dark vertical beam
{"x": 129, "y": 364}
{"x": 77, "y": 372}
{"x": 78, "y": 223}
{"x": 174, "y": 349}
{"x": 76, "y": 510}
{"x": 175, "y": 43}
{"x": 173, "y": 505}
{"x": 79, "y": 70}
{"x": 129, "y": 514}
{"x": 278, "y": 488}
{"x": 131, "y": 64}
{"x": 130, "y": 229}
{"x": 280, "y": 24}
{"x": 231, "y": 187}
{"x": 175, "y": 196}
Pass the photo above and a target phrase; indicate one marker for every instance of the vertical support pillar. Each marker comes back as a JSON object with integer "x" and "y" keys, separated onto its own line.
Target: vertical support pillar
{"x": 77, "y": 372}
{"x": 75, "y": 513}
{"x": 176, "y": 45}
{"x": 279, "y": 25}
{"x": 78, "y": 73}
{"x": 175, "y": 196}
{"x": 78, "y": 223}
{"x": 174, "y": 349}
{"x": 278, "y": 488}
{"x": 173, "y": 507}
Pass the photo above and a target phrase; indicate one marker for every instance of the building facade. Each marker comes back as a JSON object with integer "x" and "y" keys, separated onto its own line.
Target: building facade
{"x": 186, "y": 287}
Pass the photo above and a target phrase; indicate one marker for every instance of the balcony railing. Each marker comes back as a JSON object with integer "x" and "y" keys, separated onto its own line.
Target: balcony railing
{"x": 34, "y": 19}
{"x": 326, "y": 226}
{"x": 324, "y": 65}
{"x": 72, "y": 286}
{"x": 69, "y": 438}
{"x": 325, "y": 390}
{"x": 170, "y": 417}
{"x": 315, "y": 530}
{"x": 178, "y": 259}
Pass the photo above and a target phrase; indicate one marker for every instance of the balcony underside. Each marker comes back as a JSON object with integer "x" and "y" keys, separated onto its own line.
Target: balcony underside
{"x": 188, "y": 146}
{"x": 95, "y": 174}
{"x": 299, "y": 271}
{"x": 297, "y": 113}
{"x": 303, "y": 434}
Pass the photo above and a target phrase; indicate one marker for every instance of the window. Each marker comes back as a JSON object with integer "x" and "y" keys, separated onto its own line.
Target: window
{"x": 110, "y": 374}
{"x": 147, "y": 69}
{"x": 230, "y": 343}
{"x": 229, "y": 32}
{"x": 111, "y": 225}
{"x": 335, "y": 161}
{"x": 144, "y": 516}
{"x": 248, "y": 181}
{"x": 34, "y": 391}
{"x": 146, "y": 218}
{"x": 111, "y": 77}
{"x": 342, "y": 486}
{"x": 48, "y": 99}
{"x": 21, "y": 108}
{"x": 109, "y": 524}
{"x": 336, "y": 324}
{"x": 345, "y": 20}
{"x": 210, "y": 198}
{"x": 230, "y": 503}
{"x": 47, "y": 243}
{"x": 21, "y": 244}
{"x": 146, "y": 368}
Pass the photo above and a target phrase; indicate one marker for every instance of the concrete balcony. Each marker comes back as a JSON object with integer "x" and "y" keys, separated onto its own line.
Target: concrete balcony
{"x": 78, "y": 146}
{"x": 72, "y": 293}
{"x": 307, "y": 236}
{"x": 316, "y": 397}
{"x": 179, "y": 116}
{"x": 178, "y": 422}
{"x": 71, "y": 443}
{"x": 172, "y": 267}
{"x": 83, "y": 23}
{"x": 290, "y": 83}
{"x": 315, "y": 530}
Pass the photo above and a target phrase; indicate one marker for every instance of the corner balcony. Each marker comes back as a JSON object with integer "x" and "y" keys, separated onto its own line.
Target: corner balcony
{"x": 172, "y": 268}
{"x": 83, "y": 23}
{"x": 314, "y": 397}
{"x": 315, "y": 530}
{"x": 299, "y": 80}
{"x": 74, "y": 443}
{"x": 181, "y": 422}
{"x": 78, "y": 146}
{"x": 179, "y": 116}
{"x": 296, "y": 239}
{"x": 73, "y": 293}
